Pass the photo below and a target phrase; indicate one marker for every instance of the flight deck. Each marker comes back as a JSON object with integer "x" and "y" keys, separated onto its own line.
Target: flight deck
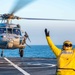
{"x": 27, "y": 66}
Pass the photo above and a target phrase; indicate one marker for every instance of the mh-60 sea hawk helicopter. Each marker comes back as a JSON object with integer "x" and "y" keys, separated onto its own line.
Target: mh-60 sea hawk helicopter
{"x": 10, "y": 34}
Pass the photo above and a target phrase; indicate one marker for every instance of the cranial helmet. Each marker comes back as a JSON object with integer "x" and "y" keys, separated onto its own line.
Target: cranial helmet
{"x": 67, "y": 41}
{"x": 67, "y": 44}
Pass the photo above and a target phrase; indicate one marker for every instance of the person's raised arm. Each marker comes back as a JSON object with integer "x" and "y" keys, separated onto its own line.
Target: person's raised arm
{"x": 55, "y": 49}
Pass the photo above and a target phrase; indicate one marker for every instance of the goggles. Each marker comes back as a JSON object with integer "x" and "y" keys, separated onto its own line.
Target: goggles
{"x": 67, "y": 45}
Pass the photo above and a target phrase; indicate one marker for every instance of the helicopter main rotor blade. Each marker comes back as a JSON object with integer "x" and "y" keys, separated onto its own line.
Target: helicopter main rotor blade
{"x": 48, "y": 19}
{"x": 20, "y": 4}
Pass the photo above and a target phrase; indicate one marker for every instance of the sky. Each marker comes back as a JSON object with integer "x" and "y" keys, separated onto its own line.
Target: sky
{"x": 53, "y": 9}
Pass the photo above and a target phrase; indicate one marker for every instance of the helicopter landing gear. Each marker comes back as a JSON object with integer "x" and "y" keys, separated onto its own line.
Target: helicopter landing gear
{"x": 2, "y": 53}
{"x": 21, "y": 52}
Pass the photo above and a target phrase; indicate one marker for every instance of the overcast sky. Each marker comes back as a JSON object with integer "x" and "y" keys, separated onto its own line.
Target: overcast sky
{"x": 55, "y": 9}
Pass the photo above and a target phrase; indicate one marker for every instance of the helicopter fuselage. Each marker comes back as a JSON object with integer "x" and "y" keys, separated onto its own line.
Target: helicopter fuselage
{"x": 11, "y": 36}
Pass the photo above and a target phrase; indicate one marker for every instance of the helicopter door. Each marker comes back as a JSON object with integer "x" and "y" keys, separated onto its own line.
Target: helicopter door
{"x": 9, "y": 30}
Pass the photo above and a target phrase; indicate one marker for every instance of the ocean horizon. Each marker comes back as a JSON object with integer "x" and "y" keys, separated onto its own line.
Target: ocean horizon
{"x": 34, "y": 51}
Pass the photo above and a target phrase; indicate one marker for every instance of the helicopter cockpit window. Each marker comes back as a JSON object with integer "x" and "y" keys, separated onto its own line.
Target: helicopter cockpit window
{"x": 2, "y": 30}
{"x": 9, "y": 30}
{"x": 17, "y": 31}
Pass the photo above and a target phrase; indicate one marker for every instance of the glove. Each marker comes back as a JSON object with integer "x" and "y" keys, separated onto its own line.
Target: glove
{"x": 46, "y": 32}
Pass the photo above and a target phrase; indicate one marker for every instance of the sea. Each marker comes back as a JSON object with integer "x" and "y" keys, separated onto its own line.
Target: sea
{"x": 32, "y": 51}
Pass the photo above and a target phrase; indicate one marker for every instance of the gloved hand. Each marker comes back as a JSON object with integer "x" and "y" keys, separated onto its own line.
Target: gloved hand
{"x": 46, "y": 32}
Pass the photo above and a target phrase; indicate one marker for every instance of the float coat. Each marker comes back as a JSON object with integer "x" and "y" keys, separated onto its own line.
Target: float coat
{"x": 65, "y": 59}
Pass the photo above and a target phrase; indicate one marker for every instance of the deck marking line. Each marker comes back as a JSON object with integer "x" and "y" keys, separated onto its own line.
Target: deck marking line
{"x": 17, "y": 67}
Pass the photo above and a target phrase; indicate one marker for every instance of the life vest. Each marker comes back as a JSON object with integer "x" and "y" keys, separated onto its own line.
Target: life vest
{"x": 66, "y": 63}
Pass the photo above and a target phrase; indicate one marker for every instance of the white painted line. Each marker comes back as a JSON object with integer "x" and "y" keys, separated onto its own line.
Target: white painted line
{"x": 17, "y": 67}
{"x": 44, "y": 64}
{"x": 52, "y": 65}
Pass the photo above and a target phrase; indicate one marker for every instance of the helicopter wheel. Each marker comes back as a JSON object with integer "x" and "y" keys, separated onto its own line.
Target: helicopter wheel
{"x": 2, "y": 53}
{"x": 21, "y": 52}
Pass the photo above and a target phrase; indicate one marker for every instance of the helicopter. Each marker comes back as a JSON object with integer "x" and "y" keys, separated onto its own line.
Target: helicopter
{"x": 10, "y": 34}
